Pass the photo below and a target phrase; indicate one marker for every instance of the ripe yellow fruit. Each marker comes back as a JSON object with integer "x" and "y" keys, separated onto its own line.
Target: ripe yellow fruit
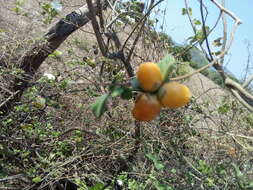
{"x": 146, "y": 107}
{"x": 149, "y": 76}
{"x": 174, "y": 95}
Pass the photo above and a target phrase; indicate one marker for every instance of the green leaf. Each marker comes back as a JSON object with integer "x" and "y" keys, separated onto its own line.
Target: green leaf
{"x": 116, "y": 91}
{"x": 196, "y": 22}
{"x": 56, "y": 53}
{"x": 190, "y": 11}
{"x": 166, "y": 65}
{"x": 135, "y": 84}
{"x": 122, "y": 91}
{"x": 99, "y": 107}
{"x": 183, "y": 11}
{"x": 151, "y": 157}
{"x": 36, "y": 179}
{"x": 127, "y": 94}
{"x": 217, "y": 42}
{"x": 158, "y": 165}
{"x": 238, "y": 173}
{"x": 98, "y": 186}
{"x": 160, "y": 186}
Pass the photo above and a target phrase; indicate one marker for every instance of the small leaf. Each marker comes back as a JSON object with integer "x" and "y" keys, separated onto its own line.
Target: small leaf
{"x": 56, "y": 53}
{"x": 217, "y": 42}
{"x": 135, "y": 84}
{"x": 99, "y": 107}
{"x": 91, "y": 62}
{"x": 196, "y": 22}
{"x": 36, "y": 179}
{"x": 183, "y": 11}
{"x": 238, "y": 173}
{"x": 151, "y": 157}
{"x": 166, "y": 65}
{"x": 190, "y": 11}
{"x": 98, "y": 186}
{"x": 117, "y": 91}
{"x": 158, "y": 165}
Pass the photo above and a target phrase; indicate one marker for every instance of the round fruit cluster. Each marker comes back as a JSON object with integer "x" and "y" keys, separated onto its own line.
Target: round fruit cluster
{"x": 158, "y": 93}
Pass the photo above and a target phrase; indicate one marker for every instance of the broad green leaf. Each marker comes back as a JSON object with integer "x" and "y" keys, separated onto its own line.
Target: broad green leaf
{"x": 99, "y": 107}
{"x": 122, "y": 91}
{"x": 127, "y": 94}
{"x": 166, "y": 65}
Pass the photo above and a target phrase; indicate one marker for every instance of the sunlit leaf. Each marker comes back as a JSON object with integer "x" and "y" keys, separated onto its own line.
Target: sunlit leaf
{"x": 117, "y": 91}
{"x": 196, "y": 22}
{"x": 99, "y": 107}
{"x": 36, "y": 179}
{"x": 166, "y": 65}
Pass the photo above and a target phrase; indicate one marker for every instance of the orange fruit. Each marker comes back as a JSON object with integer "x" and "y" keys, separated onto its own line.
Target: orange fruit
{"x": 174, "y": 95}
{"x": 149, "y": 76}
{"x": 146, "y": 107}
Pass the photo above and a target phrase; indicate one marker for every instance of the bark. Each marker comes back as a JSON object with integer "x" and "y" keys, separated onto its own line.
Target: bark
{"x": 34, "y": 57}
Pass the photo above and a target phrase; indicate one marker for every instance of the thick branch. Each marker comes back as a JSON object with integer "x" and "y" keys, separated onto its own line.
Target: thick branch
{"x": 247, "y": 97}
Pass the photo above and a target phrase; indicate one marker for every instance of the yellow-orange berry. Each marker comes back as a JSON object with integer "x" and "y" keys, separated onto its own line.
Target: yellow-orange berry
{"x": 174, "y": 95}
{"x": 146, "y": 107}
{"x": 149, "y": 76}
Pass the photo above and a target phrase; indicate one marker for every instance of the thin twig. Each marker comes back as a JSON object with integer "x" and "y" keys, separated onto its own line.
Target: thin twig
{"x": 224, "y": 22}
{"x": 199, "y": 70}
{"x": 96, "y": 28}
{"x": 136, "y": 26}
{"x": 204, "y": 31}
{"x": 9, "y": 98}
{"x": 138, "y": 35}
{"x": 247, "y": 82}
